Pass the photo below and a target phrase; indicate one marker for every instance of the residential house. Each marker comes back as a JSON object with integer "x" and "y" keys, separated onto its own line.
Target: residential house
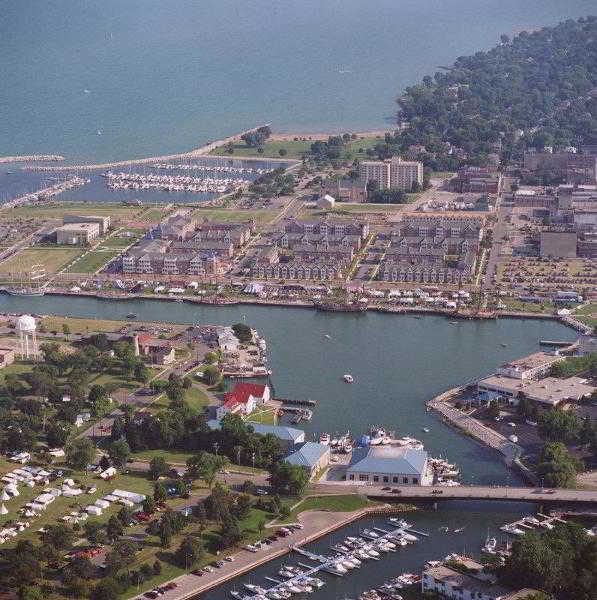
{"x": 243, "y": 399}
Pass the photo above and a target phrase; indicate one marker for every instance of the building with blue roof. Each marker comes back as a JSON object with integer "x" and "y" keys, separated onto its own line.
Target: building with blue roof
{"x": 311, "y": 456}
{"x": 390, "y": 464}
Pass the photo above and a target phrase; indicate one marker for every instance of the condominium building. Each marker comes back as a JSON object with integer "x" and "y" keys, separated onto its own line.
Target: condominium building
{"x": 395, "y": 173}
{"x": 103, "y": 221}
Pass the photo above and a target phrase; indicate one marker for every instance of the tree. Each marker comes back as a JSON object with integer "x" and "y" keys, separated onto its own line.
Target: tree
{"x": 210, "y": 358}
{"x": 157, "y": 567}
{"x": 58, "y": 536}
{"x": 29, "y": 592}
{"x": 282, "y": 152}
{"x": 79, "y": 453}
{"x": 149, "y": 505}
{"x": 125, "y": 515}
{"x": 559, "y": 426}
{"x": 66, "y": 330}
{"x": 117, "y": 430}
{"x": 106, "y": 589}
{"x": 94, "y": 531}
{"x": 493, "y": 410}
{"x": 114, "y": 529}
{"x": 142, "y": 372}
{"x": 243, "y": 506}
{"x": 160, "y": 494}
{"x": 230, "y": 533}
{"x": 557, "y": 467}
{"x": 175, "y": 391}
{"x": 211, "y": 375}
{"x": 205, "y": 466}
{"x": 242, "y": 332}
{"x": 165, "y": 533}
{"x": 287, "y": 478}
{"x": 119, "y": 452}
{"x": 158, "y": 467}
{"x": 189, "y": 552}
{"x": 122, "y": 556}
{"x": 100, "y": 341}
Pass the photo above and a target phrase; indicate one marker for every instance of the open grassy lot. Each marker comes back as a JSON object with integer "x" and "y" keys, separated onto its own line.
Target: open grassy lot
{"x": 264, "y": 415}
{"x": 92, "y": 261}
{"x": 196, "y": 398}
{"x": 297, "y": 148}
{"x": 587, "y": 314}
{"x": 52, "y": 259}
{"x": 335, "y": 503}
{"x": 56, "y": 210}
{"x": 235, "y": 216}
{"x": 270, "y": 150}
{"x": 121, "y": 241}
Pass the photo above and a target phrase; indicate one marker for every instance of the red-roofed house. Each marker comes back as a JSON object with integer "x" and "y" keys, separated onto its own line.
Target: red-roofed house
{"x": 243, "y": 399}
{"x": 158, "y": 351}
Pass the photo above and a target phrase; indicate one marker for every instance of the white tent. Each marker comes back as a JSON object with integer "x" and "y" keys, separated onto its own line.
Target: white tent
{"x": 4, "y": 495}
{"x": 3, "y": 510}
{"x": 132, "y": 496}
{"x": 12, "y": 489}
{"x": 94, "y": 510}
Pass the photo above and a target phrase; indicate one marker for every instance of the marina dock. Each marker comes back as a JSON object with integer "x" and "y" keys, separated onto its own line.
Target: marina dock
{"x": 299, "y": 402}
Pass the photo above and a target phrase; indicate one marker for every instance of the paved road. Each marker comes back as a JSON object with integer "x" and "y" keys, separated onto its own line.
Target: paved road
{"x": 464, "y": 492}
{"x": 499, "y": 231}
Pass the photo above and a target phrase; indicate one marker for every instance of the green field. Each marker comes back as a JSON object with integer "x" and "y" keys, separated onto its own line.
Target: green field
{"x": 121, "y": 241}
{"x": 57, "y": 209}
{"x": 297, "y": 149}
{"x": 270, "y": 150}
{"x": 264, "y": 416}
{"x": 340, "y": 503}
{"x": 92, "y": 261}
{"x": 52, "y": 259}
{"x": 196, "y": 398}
{"x": 235, "y": 215}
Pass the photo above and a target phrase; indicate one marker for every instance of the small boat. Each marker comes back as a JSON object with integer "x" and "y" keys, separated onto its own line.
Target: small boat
{"x": 459, "y": 530}
{"x": 99, "y": 132}
{"x": 504, "y": 345}
{"x": 490, "y": 545}
{"x": 444, "y": 529}
{"x": 236, "y": 595}
{"x": 453, "y": 322}
{"x": 348, "y": 378}
{"x": 426, "y": 429}
{"x": 324, "y": 439}
{"x": 131, "y": 316}
{"x": 327, "y": 336}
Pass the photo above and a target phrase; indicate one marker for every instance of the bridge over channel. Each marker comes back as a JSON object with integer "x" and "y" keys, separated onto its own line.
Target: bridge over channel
{"x": 463, "y": 492}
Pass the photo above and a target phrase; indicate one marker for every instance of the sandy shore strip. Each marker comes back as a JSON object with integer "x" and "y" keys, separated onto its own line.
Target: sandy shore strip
{"x": 289, "y": 137}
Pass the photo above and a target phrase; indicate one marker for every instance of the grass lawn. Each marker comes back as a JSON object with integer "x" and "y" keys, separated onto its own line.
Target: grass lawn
{"x": 340, "y": 503}
{"x": 264, "y": 416}
{"x": 367, "y": 207}
{"x": 51, "y": 259}
{"x": 235, "y": 215}
{"x": 155, "y": 214}
{"x": 587, "y": 314}
{"x": 92, "y": 261}
{"x": 133, "y": 482}
{"x": 119, "y": 241}
{"x": 297, "y": 149}
{"x": 271, "y": 149}
{"x": 56, "y": 210}
{"x": 55, "y": 323}
{"x": 196, "y": 398}
{"x": 530, "y": 307}
{"x": 17, "y": 368}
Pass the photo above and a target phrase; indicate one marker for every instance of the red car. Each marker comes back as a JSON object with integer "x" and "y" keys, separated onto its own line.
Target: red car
{"x": 141, "y": 516}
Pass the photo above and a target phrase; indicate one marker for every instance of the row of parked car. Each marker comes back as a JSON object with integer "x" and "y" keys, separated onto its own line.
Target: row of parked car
{"x": 282, "y": 532}
{"x": 160, "y": 591}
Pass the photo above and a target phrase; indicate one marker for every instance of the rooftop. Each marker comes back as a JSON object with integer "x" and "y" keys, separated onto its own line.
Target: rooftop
{"x": 289, "y": 434}
{"x": 467, "y": 582}
{"x": 388, "y": 459}
{"x": 307, "y": 455}
{"x": 549, "y": 390}
{"x": 538, "y": 359}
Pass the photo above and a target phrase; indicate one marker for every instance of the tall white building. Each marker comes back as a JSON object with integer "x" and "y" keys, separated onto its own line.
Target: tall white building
{"x": 395, "y": 173}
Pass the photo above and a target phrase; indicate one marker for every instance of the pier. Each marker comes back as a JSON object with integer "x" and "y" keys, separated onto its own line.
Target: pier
{"x": 201, "y": 151}
{"x": 307, "y": 402}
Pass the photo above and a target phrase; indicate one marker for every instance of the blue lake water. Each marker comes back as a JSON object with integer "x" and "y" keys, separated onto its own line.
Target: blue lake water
{"x": 158, "y": 77}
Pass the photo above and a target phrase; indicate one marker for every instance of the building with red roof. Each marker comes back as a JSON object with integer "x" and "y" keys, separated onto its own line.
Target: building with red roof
{"x": 243, "y": 399}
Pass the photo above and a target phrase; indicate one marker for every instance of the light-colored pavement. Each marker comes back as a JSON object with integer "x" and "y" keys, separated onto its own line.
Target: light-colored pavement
{"x": 315, "y": 524}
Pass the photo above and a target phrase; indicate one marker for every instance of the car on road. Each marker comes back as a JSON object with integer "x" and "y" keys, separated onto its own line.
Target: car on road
{"x": 396, "y": 491}
{"x": 262, "y": 492}
{"x": 151, "y": 594}
{"x": 437, "y": 492}
{"x": 385, "y": 489}
{"x": 219, "y": 564}
{"x": 229, "y": 558}
{"x": 197, "y": 572}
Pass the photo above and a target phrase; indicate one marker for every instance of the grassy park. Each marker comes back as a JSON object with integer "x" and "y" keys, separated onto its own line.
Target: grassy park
{"x": 52, "y": 259}
{"x": 92, "y": 261}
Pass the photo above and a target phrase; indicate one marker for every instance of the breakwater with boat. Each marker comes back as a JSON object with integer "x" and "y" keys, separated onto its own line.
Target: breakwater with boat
{"x": 31, "y": 158}
{"x": 201, "y": 151}
{"x": 47, "y": 192}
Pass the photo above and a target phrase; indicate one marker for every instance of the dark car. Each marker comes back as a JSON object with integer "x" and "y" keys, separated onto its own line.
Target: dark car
{"x": 150, "y": 594}
{"x": 219, "y": 563}
{"x": 385, "y": 489}
{"x": 197, "y": 572}
{"x": 437, "y": 492}
{"x": 396, "y": 491}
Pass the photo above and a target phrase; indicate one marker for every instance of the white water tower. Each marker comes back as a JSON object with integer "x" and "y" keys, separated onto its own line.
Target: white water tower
{"x": 27, "y": 336}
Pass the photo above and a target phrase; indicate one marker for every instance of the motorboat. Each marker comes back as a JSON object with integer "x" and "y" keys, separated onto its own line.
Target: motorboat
{"x": 490, "y": 545}
{"x": 400, "y": 523}
{"x": 426, "y": 429}
{"x": 254, "y": 588}
{"x": 459, "y": 530}
{"x": 348, "y": 378}
{"x": 324, "y": 439}
{"x": 369, "y": 533}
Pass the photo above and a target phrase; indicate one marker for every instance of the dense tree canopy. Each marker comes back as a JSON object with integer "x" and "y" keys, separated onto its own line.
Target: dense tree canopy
{"x": 540, "y": 83}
